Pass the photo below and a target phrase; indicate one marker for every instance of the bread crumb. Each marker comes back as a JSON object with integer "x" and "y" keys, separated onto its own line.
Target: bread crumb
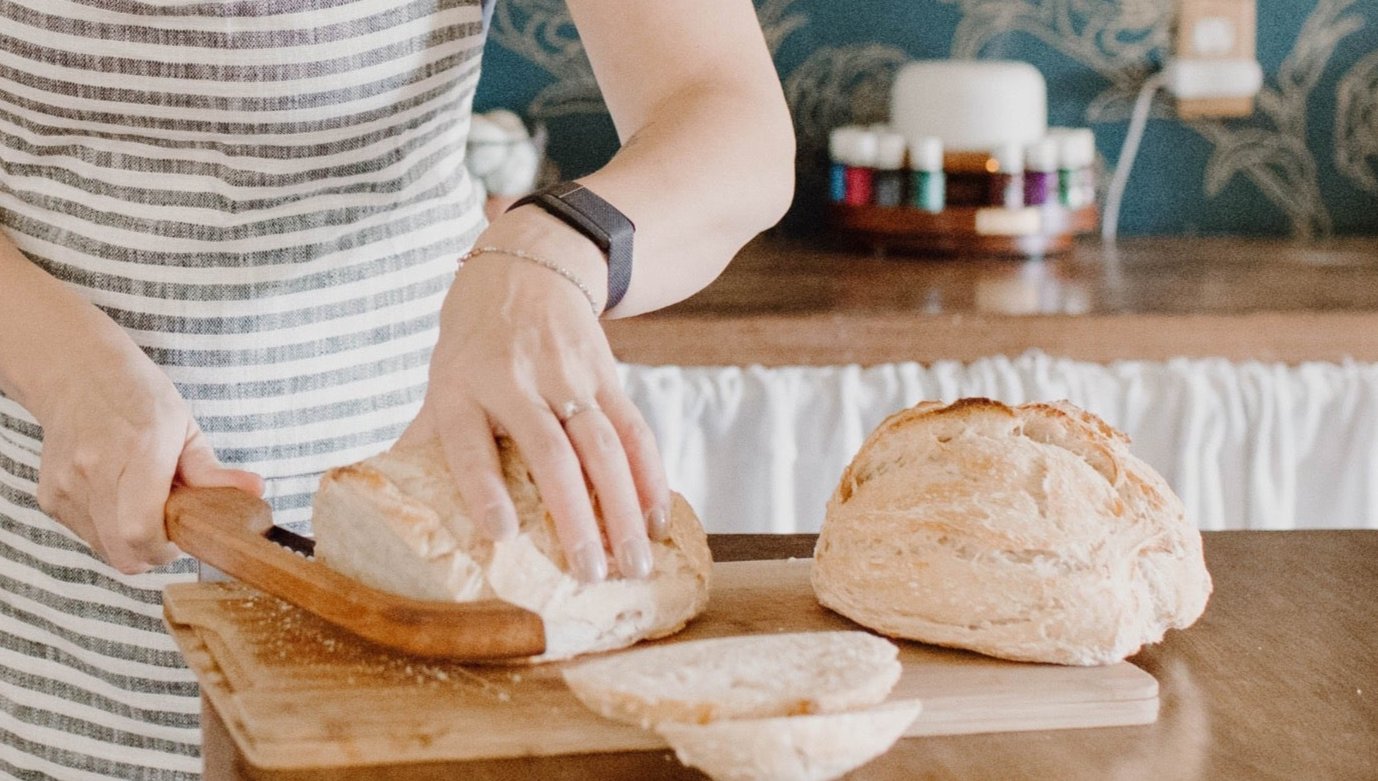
{"x": 482, "y": 684}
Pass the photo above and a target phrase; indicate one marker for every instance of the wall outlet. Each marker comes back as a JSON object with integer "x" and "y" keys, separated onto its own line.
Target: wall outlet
{"x": 1216, "y": 30}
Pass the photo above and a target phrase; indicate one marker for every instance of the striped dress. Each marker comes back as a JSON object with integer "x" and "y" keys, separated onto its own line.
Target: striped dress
{"x": 270, "y": 197}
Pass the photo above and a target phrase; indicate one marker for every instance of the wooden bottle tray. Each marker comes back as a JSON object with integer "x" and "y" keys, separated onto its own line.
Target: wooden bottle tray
{"x": 966, "y": 230}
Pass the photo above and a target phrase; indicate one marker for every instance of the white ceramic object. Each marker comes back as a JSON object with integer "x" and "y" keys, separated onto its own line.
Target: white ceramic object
{"x": 971, "y": 105}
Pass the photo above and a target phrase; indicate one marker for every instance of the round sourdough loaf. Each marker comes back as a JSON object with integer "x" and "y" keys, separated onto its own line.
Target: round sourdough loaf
{"x": 396, "y": 522}
{"x": 1028, "y": 533}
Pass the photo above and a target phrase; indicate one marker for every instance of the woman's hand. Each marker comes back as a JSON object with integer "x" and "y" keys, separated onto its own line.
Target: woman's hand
{"x": 519, "y": 348}
{"x": 115, "y": 431}
{"x": 116, "y": 436}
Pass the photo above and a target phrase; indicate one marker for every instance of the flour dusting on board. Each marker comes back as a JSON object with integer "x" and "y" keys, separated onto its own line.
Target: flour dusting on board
{"x": 295, "y": 643}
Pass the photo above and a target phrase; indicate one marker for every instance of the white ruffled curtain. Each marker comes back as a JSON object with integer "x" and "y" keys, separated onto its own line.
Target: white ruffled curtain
{"x": 1247, "y": 445}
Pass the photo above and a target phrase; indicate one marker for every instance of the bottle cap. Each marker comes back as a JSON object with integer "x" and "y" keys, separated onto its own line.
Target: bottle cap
{"x": 926, "y": 154}
{"x": 865, "y": 146}
{"x": 1076, "y": 148}
{"x": 1041, "y": 155}
{"x": 889, "y": 151}
{"x": 840, "y": 142}
{"x": 1006, "y": 159}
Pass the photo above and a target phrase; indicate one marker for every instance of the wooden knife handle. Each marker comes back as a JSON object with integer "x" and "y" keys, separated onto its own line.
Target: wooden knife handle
{"x": 224, "y": 528}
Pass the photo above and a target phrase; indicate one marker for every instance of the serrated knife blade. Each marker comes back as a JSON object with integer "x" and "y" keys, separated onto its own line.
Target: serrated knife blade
{"x": 292, "y": 541}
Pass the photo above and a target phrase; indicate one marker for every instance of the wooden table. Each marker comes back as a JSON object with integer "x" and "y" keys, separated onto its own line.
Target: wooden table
{"x": 1279, "y": 680}
{"x": 808, "y": 302}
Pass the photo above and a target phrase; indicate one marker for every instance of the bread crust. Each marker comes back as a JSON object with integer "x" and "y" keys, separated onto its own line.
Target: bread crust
{"x": 1028, "y": 533}
{"x": 398, "y": 523}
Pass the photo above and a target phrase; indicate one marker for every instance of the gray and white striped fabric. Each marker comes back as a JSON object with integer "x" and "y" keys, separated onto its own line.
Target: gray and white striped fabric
{"x": 269, "y": 196}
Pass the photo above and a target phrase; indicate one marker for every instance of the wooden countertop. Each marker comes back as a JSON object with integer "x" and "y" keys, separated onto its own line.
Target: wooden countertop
{"x": 1278, "y": 680}
{"x": 787, "y": 302}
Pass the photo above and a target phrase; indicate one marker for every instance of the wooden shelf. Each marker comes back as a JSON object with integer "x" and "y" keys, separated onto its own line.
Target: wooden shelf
{"x": 806, "y": 301}
{"x": 1032, "y": 231}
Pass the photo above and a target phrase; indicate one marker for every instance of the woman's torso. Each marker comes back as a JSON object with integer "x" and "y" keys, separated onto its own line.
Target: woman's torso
{"x": 269, "y": 196}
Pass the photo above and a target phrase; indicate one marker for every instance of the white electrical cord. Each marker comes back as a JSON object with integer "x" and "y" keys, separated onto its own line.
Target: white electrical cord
{"x": 1138, "y": 120}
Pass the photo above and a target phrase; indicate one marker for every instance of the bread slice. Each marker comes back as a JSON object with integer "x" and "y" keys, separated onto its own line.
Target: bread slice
{"x": 1029, "y": 533}
{"x": 751, "y": 676}
{"x": 790, "y": 748}
{"x": 397, "y": 522}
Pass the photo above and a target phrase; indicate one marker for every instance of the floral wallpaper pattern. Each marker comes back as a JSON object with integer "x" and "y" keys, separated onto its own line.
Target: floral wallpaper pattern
{"x": 1305, "y": 164}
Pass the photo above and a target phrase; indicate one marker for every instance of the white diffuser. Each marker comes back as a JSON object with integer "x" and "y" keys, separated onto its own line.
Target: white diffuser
{"x": 972, "y": 105}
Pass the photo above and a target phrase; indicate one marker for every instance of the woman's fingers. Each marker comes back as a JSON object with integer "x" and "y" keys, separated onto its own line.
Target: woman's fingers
{"x": 600, "y": 450}
{"x": 131, "y": 527}
{"x": 472, "y": 456}
{"x": 124, "y": 522}
{"x": 467, "y": 439}
{"x": 199, "y": 467}
{"x": 558, "y": 474}
{"x": 643, "y": 458}
{"x": 518, "y": 343}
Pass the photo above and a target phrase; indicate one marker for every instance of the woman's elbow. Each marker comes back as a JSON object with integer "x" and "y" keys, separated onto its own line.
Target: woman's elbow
{"x": 770, "y": 189}
{"x": 780, "y": 193}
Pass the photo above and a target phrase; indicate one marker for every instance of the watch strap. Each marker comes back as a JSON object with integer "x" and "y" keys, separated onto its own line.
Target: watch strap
{"x": 604, "y": 224}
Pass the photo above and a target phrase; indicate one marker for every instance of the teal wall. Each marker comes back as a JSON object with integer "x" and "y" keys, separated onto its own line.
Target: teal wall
{"x": 1306, "y": 163}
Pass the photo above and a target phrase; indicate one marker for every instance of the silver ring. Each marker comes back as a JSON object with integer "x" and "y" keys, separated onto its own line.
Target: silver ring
{"x": 569, "y": 409}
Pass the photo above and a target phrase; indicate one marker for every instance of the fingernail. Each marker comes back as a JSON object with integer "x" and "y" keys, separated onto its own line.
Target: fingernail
{"x": 634, "y": 558}
{"x": 501, "y": 523}
{"x": 589, "y": 563}
{"x": 658, "y": 523}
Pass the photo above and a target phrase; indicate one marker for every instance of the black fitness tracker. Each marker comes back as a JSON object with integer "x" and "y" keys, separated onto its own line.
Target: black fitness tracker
{"x": 581, "y": 209}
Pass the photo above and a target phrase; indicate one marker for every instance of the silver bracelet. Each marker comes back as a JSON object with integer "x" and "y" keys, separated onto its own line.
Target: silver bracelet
{"x": 540, "y": 261}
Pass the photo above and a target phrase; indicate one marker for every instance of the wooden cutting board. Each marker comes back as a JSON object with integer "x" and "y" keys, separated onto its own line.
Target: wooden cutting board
{"x": 296, "y": 694}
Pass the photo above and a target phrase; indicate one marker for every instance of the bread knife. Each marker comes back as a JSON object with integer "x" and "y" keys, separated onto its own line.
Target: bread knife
{"x": 234, "y": 532}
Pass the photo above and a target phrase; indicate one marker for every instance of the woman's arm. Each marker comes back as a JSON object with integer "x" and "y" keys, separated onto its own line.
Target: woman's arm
{"x": 116, "y": 433}
{"x": 46, "y": 331}
{"x": 708, "y": 163}
{"x": 708, "y": 155}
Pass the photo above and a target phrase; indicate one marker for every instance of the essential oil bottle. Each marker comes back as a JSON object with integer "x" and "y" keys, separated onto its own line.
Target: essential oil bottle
{"x": 1005, "y": 183}
{"x": 889, "y": 177}
{"x": 1076, "y": 166}
{"x": 839, "y": 145}
{"x": 927, "y": 182}
{"x": 860, "y": 172}
{"x": 1041, "y": 172}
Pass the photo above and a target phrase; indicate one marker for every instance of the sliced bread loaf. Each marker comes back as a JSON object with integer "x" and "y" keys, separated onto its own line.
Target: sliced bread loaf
{"x": 397, "y": 522}
{"x": 745, "y": 677}
{"x": 791, "y": 748}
